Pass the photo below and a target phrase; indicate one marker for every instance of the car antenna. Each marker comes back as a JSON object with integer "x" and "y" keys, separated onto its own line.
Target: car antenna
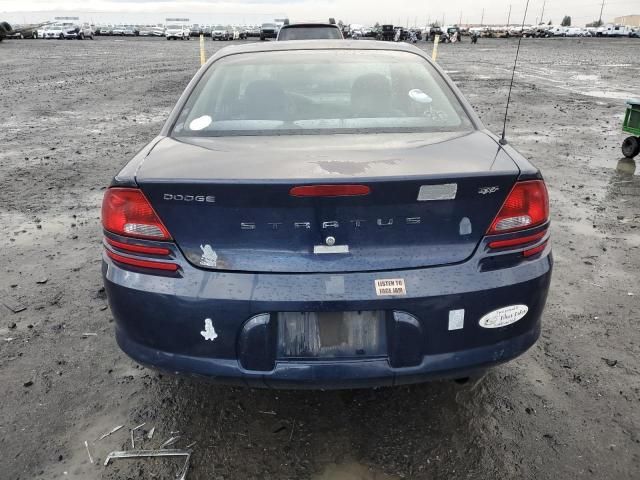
{"x": 503, "y": 140}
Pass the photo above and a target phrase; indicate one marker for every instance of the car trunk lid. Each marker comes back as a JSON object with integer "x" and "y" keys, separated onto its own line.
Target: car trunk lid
{"x": 229, "y": 204}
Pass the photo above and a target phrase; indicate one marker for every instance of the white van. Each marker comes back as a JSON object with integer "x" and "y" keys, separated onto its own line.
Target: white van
{"x": 614, "y": 31}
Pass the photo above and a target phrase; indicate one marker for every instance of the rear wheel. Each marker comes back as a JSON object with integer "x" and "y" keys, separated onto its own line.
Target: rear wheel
{"x": 631, "y": 147}
{"x": 81, "y": 36}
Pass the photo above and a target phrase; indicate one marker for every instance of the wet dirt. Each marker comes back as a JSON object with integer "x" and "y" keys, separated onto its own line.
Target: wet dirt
{"x": 74, "y": 112}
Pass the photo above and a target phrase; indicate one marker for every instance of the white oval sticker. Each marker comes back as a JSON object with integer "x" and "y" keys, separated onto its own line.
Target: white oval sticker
{"x": 503, "y": 316}
{"x": 419, "y": 96}
{"x": 200, "y": 123}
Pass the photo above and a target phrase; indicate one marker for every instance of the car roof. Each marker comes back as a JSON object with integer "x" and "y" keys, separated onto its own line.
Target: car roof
{"x": 291, "y": 45}
{"x": 309, "y": 25}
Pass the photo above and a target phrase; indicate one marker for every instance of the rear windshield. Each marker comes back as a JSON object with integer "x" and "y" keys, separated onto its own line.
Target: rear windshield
{"x": 320, "y": 91}
{"x": 309, "y": 33}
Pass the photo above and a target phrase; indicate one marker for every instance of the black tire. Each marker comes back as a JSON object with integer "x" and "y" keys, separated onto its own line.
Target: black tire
{"x": 81, "y": 36}
{"x": 631, "y": 147}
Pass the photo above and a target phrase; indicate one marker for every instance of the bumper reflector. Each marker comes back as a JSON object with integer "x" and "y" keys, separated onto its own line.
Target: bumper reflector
{"x": 514, "y": 242}
{"x": 532, "y": 251}
{"x": 138, "y": 248}
{"x": 171, "y": 267}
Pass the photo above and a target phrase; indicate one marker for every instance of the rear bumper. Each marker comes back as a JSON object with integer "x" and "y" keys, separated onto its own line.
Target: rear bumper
{"x": 335, "y": 374}
{"x": 159, "y": 321}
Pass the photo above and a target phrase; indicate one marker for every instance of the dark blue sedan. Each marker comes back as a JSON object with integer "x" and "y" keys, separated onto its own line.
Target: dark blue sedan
{"x": 321, "y": 214}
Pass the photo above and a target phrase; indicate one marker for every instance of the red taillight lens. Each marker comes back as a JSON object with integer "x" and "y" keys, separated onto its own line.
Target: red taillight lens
{"x": 329, "y": 191}
{"x": 126, "y": 211}
{"x": 526, "y": 206}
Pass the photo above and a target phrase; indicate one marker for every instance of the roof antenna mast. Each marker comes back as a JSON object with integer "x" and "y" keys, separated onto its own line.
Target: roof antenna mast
{"x": 503, "y": 140}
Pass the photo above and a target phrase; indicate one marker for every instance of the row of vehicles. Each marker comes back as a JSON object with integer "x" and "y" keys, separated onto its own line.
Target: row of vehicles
{"x": 65, "y": 32}
{"x": 548, "y": 31}
{"x": 58, "y": 31}
{"x": 174, "y": 30}
{"x": 181, "y": 30}
{"x": 398, "y": 33}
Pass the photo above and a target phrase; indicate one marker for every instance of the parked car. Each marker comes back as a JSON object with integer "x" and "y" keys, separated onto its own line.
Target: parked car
{"x": 635, "y": 33}
{"x": 387, "y": 33}
{"x": 118, "y": 30}
{"x": 558, "y": 31}
{"x": 613, "y": 31}
{"x": 253, "y": 32}
{"x": 106, "y": 30}
{"x": 268, "y": 30}
{"x": 220, "y": 32}
{"x": 364, "y": 246}
{"x": 77, "y": 32}
{"x": 574, "y": 32}
{"x": 310, "y": 31}
{"x": 175, "y": 32}
{"x": 130, "y": 31}
{"x": 23, "y": 33}
{"x": 433, "y": 31}
{"x": 53, "y": 31}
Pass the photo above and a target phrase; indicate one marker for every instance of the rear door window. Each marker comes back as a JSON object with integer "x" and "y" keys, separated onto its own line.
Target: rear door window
{"x": 303, "y": 92}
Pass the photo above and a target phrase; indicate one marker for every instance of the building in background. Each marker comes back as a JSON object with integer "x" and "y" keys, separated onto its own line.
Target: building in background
{"x": 628, "y": 20}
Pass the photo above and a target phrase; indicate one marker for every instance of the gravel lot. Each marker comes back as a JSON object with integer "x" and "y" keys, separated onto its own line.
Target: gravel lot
{"x": 73, "y": 112}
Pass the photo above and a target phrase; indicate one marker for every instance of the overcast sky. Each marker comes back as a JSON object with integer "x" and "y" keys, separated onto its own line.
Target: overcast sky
{"x": 350, "y": 11}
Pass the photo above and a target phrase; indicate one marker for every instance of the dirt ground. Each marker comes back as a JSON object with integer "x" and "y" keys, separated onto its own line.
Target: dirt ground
{"x": 73, "y": 112}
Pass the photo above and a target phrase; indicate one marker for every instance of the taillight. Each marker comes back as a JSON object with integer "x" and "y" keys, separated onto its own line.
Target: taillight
{"x": 329, "y": 191}
{"x": 127, "y": 212}
{"x": 526, "y": 206}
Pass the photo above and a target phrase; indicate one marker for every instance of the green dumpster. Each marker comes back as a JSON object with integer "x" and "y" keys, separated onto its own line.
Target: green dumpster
{"x": 631, "y": 124}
